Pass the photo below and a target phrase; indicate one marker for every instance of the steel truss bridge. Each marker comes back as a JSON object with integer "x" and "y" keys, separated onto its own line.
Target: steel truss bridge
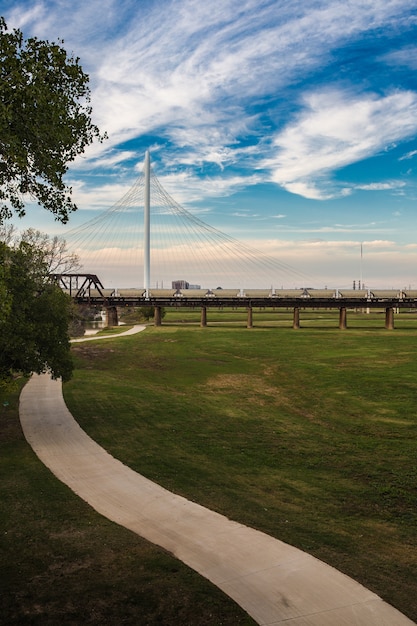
{"x": 87, "y": 289}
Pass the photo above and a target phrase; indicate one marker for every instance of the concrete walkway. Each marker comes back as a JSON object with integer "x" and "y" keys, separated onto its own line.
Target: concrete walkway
{"x": 274, "y": 582}
{"x": 132, "y": 331}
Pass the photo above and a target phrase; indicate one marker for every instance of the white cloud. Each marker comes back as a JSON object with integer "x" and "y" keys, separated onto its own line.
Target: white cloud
{"x": 336, "y": 129}
{"x": 406, "y": 57}
{"x": 106, "y": 159}
{"x": 188, "y": 69}
{"x": 192, "y": 73}
{"x": 381, "y": 186}
{"x": 187, "y": 188}
{"x": 385, "y": 264}
{"x": 307, "y": 189}
{"x": 193, "y": 76}
{"x": 245, "y": 214}
{"x": 98, "y": 198}
{"x": 408, "y": 155}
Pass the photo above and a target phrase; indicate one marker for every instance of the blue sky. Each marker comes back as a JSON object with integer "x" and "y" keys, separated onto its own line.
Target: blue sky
{"x": 289, "y": 125}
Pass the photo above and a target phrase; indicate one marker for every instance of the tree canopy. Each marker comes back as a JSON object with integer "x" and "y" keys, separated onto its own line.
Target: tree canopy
{"x": 45, "y": 122}
{"x": 34, "y": 315}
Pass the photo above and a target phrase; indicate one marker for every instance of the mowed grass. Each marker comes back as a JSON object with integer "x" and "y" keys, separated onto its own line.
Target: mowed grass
{"x": 62, "y": 563}
{"x": 308, "y": 435}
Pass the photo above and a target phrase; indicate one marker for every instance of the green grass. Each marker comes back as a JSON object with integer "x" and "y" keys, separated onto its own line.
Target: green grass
{"x": 62, "y": 563}
{"x": 114, "y": 330}
{"x": 281, "y": 317}
{"x": 308, "y": 435}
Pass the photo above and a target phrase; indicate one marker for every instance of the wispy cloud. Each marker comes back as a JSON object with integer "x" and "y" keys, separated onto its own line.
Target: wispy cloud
{"x": 242, "y": 93}
{"x": 336, "y": 129}
{"x": 381, "y": 186}
{"x": 187, "y": 188}
{"x": 408, "y": 155}
{"x": 192, "y": 73}
{"x": 405, "y": 57}
{"x": 245, "y": 214}
{"x": 194, "y": 81}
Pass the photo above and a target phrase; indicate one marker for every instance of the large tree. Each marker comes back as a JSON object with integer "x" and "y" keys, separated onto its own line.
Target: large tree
{"x": 45, "y": 122}
{"x": 34, "y": 316}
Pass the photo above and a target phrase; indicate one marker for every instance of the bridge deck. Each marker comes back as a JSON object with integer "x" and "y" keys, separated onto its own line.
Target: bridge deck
{"x": 236, "y": 302}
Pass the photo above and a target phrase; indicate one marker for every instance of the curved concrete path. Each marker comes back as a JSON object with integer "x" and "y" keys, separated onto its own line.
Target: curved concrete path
{"x": 132, "y": 331}
{"x": 274, "y": 582}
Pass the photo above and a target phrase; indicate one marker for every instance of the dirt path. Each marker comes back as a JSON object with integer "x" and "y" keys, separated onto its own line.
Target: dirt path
{"x": 274, "y": 582}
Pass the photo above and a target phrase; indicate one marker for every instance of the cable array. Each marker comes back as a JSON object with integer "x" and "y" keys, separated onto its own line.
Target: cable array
{"x": 183, "y": 247}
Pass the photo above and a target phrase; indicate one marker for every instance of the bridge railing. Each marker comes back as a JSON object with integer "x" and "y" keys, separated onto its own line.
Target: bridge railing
{"x": 87, "y": 288}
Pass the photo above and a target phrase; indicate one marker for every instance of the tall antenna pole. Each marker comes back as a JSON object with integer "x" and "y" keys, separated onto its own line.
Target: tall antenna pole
{"x": 147, "y": 227}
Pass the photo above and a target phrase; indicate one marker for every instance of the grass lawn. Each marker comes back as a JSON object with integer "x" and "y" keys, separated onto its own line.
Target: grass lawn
{"x": 62, "y": 563}
{"x": 309, "y": 435}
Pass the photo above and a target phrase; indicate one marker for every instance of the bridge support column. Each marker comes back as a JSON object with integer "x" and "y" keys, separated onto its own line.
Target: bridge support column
{"x": 296, "y": 318}
{"x": 342, "y": 318}
{"x": 158, "y": 316}
{"x": 112, "y": 318}
{"x": 250, "y": 318}
{"x": 203, "y": 322}
{"x": 389, "y": 318}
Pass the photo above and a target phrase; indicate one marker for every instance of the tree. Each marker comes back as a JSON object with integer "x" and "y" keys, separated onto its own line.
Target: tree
{"x": 5, "y": 295}
{"x": 54, "y": 252}
{"x": 8, "y": 233}
{"x": 148, "y": 312}
{"x": 45, "y": 122}
{"x": 34, "y": 317}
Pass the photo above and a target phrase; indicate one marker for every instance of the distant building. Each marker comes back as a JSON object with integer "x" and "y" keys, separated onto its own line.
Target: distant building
{"x": 180, "y": 284}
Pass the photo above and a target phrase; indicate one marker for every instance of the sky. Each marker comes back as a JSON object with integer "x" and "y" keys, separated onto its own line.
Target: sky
{"x": 291, "y": 126}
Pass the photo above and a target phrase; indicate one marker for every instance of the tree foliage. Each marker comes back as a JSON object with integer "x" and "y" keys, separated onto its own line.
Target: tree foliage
{"x": 45, "y": 122}
{"x": 34, "y": 316}
{"x": 148, "y": 312}
{"x": 52, "y": 251}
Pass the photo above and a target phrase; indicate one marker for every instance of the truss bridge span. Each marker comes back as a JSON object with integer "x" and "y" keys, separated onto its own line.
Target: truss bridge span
{"x": 296, "y": 300}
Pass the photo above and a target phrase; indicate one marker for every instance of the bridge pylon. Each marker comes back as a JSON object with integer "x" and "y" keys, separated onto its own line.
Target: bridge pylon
{"x": 147, "y": 226}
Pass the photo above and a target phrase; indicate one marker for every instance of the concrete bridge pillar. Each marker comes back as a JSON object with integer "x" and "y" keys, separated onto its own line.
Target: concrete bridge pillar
{"x": 296, "y": 318}
{"x": 203, "y": 322}
{"x": 158, "y": 316}
{"x": 112, "y": 318}
{"x": 389, "y": 318}
{"x": 250, "y": 318}
{"x": 342, "y": 318}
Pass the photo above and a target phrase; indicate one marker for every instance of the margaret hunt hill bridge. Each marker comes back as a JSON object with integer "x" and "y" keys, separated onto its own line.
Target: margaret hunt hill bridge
{"x": 148, "y": 229}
